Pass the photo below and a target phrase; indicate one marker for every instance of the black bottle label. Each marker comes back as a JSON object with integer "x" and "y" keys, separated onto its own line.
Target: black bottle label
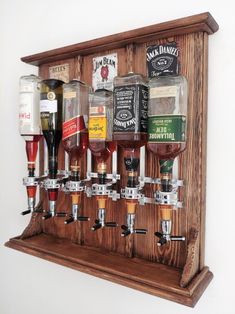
{"x": 130, "y": 108}
{"x": 162, "y": 59}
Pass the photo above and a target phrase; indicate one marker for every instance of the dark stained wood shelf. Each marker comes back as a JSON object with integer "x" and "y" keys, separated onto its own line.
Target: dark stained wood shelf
{"x": 203, "y": 22}
{"x": 157, "y": 279}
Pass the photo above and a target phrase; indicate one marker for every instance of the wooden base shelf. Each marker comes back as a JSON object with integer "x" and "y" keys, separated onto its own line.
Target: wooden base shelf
{"x": 153, "y": 278}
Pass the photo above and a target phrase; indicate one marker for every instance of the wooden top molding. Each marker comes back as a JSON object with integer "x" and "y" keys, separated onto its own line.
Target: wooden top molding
{"x": 203, "y": 22}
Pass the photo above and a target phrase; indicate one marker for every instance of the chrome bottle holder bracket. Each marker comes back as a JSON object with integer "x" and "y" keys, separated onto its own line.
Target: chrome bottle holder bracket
{"x": 168, "y": 198}
{"x": 74, "y": 186}
{"x": 162, "y": 198}
{"x": 50, "y": 184}
{"x": 30, "y": 181}
{"x": 175, "y": 183}
{"x": 102, "y": 189}
{"x": 110, "y": 176}
{"x": 131, "y": 193}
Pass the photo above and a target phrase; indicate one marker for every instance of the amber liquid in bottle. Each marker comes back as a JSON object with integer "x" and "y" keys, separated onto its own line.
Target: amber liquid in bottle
{"x": 166, "y": 150}
{"x": 167, "y": 116}
{"x": 76, "y": 145}
{"x": 102, "y": 149}
{"x": 31, "y": 147}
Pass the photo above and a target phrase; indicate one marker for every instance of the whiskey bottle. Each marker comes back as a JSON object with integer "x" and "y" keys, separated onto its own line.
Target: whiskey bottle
{"x": 75, "y": 138}
{"x": 75, "y": 118}
{"x": 101, "y": 141}
{"x": 167, "y": 117}
{"x": 102, "y": 146}
{"x": 130, "y": 132}
{"x": 130, "y": 110}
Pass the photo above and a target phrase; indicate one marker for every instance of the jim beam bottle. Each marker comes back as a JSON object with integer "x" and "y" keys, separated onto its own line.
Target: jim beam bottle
{"x": 167, "y": 120}
{"x": 30, "y": 130}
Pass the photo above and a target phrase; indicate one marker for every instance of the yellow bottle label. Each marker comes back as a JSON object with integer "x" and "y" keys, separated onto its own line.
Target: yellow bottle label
{"x": 97, "y": 128}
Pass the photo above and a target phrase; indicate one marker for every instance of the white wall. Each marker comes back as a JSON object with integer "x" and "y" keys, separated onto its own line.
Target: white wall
{"x": 30, "y": 285}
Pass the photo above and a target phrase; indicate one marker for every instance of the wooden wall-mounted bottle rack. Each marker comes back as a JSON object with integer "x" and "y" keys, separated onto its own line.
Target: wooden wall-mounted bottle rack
{"x": 175, "y": 272}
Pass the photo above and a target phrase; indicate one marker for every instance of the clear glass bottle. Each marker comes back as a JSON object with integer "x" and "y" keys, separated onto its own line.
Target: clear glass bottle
{"x": 75, "y": 136}
{"x": 101, "y": 141}
{"x": 167, "y": 116}
{"x": 30, "y": 128}
{"x": 29, "y": 117}
{"x": 75, "y": 120}
{"x": 51, "y": 100}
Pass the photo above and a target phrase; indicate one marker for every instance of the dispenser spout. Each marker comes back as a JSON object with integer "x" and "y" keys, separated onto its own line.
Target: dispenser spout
{"x": 165, "y": 236}
{"x": 130, "y": 227}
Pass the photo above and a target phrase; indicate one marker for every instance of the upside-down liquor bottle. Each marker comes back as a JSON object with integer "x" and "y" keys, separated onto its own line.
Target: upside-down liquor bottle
{"x": 30, "y": 130}
{"x": 51, "y": 100}
{"x": 167, "y": 119}
{"x": 101, "y": 141}
{"x": 130, "y": 123}
{"x": 75, "y": 134}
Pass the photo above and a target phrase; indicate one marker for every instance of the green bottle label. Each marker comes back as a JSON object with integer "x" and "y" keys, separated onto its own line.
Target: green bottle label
{"x": 167, "y": 128}
{"x": 166, "y": 165}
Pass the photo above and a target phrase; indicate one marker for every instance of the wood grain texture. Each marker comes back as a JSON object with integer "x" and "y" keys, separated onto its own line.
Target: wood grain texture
{"x": 191, "y": 265}
{"x": 203, "y": 22}
{"x": 153, "y": 278}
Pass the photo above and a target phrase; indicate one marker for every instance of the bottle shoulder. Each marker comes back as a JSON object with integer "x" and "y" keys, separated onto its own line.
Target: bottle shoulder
{"x": 168, "y": 80}
{"x": 130, "y": 79}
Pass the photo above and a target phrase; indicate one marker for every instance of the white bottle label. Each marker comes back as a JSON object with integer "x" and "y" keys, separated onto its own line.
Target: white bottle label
{"x": 25, "y": 109}
{"x": 163, "y": 92}
{"x": 48, "y": 106}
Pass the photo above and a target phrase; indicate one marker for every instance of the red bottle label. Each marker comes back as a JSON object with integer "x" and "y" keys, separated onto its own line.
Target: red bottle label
{"x": 73, "y": 126}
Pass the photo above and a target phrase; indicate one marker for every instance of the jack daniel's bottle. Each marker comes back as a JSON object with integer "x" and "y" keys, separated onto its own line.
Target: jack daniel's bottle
{"x": 130, "y": 132}
{"x": 130, "y": 110}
